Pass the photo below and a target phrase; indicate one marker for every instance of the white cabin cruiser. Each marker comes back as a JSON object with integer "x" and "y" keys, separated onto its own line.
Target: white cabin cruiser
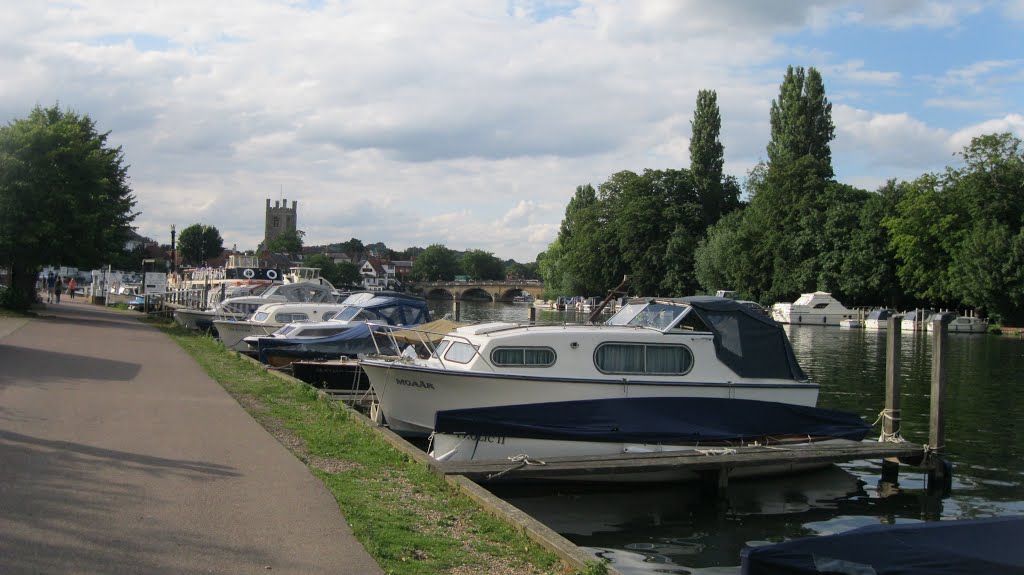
{"x": 243, "y": 306}
{"x": 916, "y": 320}
{"x": 691, "y": 347}
{"x": 960, "y": 323}
{"x": 269, "y": 317}
{"x": 878, "y": 318}
{"x": 816, "y": 308}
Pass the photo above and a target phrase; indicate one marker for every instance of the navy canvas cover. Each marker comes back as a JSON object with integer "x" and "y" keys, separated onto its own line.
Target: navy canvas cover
{"x": 356, "y": 340}
{"x": 652, "y": 420}
{"x": 972, "y": 546}
{"x": 750, "y": 343}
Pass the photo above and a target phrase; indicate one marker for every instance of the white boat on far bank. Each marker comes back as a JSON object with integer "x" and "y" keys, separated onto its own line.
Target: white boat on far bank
{"x": 815, "y": 308}
{"x": 878, "y": 318}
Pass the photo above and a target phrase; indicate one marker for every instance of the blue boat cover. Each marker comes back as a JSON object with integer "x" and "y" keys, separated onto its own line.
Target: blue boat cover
{"x": 750, "y": 343}
{"x": 652, "y": 420}
{"x": 351, "y": 342}
{"x": 970, "y": 546}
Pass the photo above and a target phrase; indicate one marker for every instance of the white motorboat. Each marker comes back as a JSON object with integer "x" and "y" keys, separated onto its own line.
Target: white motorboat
{"x": 241, "y": 307}
{"x": 878, "y": 318}
{"x": 851, "y": 323}
{"x": 960, "y": 323}
{"x": 269, "y": 317}
{"x": 816, "y": 308}
{"x": 690, "y": 347}
{"x": 916, "y": 320}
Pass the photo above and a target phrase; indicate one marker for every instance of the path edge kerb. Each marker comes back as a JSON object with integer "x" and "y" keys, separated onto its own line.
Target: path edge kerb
{"x": 539, "y": 533}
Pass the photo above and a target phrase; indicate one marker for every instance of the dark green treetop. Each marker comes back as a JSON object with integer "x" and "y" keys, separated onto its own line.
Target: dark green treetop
{"x": 64, "y": 196}
{"x": 198, "y": 243}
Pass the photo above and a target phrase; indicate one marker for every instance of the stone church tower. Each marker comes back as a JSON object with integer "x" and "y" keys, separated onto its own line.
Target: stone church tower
{"x": 280, "y": 219}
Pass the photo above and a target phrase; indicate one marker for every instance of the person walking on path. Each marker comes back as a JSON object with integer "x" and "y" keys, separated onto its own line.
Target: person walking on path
{"x": 71, "y": 288}
{"x": 50, "y": 281}
{"x": 58, "y": 287}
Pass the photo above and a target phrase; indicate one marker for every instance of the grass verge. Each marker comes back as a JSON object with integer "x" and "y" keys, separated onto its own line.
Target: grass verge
{"x": 410, "y": 520}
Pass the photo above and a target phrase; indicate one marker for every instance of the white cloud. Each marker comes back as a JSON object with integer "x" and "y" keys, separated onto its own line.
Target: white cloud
{"x": 455, "y": 122}
{"x": 1013, "y": 123}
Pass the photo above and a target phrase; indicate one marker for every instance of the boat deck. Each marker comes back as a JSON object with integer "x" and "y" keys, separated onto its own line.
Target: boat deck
{"x": 712, "y": 463}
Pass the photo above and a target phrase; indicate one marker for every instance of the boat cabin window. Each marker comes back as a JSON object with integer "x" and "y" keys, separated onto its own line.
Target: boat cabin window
{"x": 328, "y": 315}
{"x": 822, "y": 305}
{"x": 460, "y": 352}
{"x": 441, "y": 346}
{"x": 284, "y": 330}
{"x": 643, "y": 358}
{"x": 523, "y": 356}
{"x": 691, "y": 322}
{"x": 320, "y": 331}
{"x": 261, "y": 316}
{"x": 290, "y": 317}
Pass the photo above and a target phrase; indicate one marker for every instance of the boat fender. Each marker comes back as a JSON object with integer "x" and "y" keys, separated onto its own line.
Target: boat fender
{"x": 272, "y": 274}
{"x": 248, "y": 273}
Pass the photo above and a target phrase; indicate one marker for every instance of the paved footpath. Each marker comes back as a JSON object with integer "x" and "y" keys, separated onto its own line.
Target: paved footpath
{"x": 118, "y": 454}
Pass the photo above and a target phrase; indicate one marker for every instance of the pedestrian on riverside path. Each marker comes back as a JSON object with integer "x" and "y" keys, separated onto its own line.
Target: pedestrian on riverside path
{"x": 50, "y": 281}
{"x": 71, "y": 288}
{"x": 58, "y": 287}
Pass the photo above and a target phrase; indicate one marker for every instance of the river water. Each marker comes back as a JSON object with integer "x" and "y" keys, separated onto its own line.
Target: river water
{"x": 672, "y": 529}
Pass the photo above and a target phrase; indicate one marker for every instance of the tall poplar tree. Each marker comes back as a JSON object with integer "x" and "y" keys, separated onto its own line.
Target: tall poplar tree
{"x": 801, "y": 121}
{"x": 707, "y": 154}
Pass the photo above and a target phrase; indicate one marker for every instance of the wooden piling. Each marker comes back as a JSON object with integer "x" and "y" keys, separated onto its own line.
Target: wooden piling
{"x": 533, "y": 314}
{"x": 936, "y": 432}
{"x": 891, "y": 415}
{"x": 456, "y": 310}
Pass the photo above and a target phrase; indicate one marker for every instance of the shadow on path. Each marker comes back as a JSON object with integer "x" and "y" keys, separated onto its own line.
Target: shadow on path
{"x": 28, "y": 366}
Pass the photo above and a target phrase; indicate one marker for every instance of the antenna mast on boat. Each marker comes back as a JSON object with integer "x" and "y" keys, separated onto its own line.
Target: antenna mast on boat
{"x": 611, "y": 294}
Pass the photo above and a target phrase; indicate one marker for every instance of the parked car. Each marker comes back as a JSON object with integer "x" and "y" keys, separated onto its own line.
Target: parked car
{"x": 156, "y": 303}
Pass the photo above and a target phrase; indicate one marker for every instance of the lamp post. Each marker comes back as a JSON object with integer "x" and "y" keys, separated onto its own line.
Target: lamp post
{"x": 174, "y": 252}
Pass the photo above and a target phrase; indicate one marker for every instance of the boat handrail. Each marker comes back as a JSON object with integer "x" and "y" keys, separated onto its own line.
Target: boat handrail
{"x": 427, "y": 344}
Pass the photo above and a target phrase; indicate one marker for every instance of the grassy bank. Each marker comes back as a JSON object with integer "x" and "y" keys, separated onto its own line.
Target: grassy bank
{"x": 410, "y": 520}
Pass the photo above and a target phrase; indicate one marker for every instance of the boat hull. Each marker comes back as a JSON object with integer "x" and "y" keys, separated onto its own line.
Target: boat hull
{"x": 233, "y": 333}
{"x": 410, "y": 396}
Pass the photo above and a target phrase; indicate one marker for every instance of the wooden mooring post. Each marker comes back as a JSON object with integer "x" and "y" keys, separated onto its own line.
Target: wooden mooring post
{"x": 891, "y": 414}
{"x": 939, "y": 470}
{"x": 456, "y": 310}
{"x": 940, "y": 477}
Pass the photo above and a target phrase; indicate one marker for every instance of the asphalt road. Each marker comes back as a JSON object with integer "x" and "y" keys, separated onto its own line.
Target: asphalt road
{"x": 118, "y": 454}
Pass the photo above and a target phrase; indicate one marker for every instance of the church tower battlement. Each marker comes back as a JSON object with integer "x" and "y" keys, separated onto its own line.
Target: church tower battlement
{"x": 280, "y": 219}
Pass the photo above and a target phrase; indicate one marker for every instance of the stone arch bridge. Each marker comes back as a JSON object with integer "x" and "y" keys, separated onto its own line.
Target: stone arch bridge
{"x": 479, "y": 290}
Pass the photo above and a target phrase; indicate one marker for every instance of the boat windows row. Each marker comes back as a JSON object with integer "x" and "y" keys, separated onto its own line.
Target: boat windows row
{"x": 612, "y": 358}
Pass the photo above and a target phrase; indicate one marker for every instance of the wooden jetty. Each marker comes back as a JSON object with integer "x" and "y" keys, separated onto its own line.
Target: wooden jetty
{"x": 713, "y": 465}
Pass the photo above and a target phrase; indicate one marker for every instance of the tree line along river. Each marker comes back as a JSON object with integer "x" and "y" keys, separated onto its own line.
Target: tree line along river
{"x": 672, "y": 529}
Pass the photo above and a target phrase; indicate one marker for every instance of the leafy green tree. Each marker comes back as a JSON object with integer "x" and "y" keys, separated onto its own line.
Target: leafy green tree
{"x": 64, "y": 197}
{"x": 353, "y": 248}
{"x": 436, "y": 263}
{"x": 481, "y": 265}
{"x": 287, "y": 242}
{"x": 198, "y": 243}
{"x": 868, "y": 274}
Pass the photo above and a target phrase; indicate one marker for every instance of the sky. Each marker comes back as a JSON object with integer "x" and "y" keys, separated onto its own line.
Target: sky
{"x": 470, "y": 123}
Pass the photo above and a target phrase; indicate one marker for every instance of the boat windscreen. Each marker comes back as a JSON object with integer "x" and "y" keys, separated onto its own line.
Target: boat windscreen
{"x": 656, "y": 315}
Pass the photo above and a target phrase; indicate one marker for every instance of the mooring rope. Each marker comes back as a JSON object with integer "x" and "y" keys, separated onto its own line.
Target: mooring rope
{"x": 522, "y": 460}
{"x": 893, "y": 415}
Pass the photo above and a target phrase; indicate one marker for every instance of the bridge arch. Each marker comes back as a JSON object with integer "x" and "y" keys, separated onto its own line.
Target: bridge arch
{"x": 439, "y": 293}
{"x": 476, "y": 293}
